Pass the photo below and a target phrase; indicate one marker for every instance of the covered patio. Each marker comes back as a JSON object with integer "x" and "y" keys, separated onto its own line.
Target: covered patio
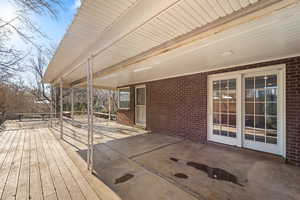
{"x": 155, "y": 166}
{"x": 192, "y": 77}
{"x": 36, "y": 164}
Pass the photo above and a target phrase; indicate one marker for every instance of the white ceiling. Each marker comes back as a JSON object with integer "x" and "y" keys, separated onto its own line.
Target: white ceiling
{"x": 272, "y": 37}
{"x": 114, "y": 31}
{"x": 94, "y": 18}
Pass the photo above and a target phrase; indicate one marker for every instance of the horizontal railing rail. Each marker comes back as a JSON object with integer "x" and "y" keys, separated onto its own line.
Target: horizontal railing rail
{"x": 47, "y": 115}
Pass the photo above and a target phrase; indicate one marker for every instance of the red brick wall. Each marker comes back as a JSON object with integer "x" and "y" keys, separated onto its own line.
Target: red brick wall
{"x": 178, "y": 105}
{"x": 293, "y": 110}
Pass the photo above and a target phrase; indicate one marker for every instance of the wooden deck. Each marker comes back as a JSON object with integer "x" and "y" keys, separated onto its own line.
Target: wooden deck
{"x": 34, "y": 165}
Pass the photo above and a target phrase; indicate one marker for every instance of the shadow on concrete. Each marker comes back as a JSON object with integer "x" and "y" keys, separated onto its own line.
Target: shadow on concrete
{"x": 154, "y": 166}
{"x": 106, "y": 128}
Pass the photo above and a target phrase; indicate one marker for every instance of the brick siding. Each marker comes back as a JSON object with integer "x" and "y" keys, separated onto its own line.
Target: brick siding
{"x": 178, "y": 105}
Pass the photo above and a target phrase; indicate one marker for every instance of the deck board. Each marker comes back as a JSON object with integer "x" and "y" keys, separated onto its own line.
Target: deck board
{"x": 36, "y": 191}
{"x": 59, "y": 184}
{"x": 70, "y": 182}
{"x": 4, "y": 146}
{"x": 34, "y": 165}
{"x": 12, "y": 181}
{"x": 23, "y": 182}
{"x": 8, "y": 162}
{"x": 81, "y": 181}
{"x": 48, "y": 188}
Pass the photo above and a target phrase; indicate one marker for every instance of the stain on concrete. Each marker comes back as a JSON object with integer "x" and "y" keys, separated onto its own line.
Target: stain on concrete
{"x": 174, "y": 159}
{"x": 124, "y": 178}
{"x": 181, "y": 175}
{"x": 215, "y": 173}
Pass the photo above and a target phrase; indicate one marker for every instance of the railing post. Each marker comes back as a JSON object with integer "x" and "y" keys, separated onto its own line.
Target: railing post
{"x": 72, "y": 104}
{"x": 61, "y": 109}
{"x": 55, "y": 103}
{"x": 88, "y": 113}
{"x": 109, "y": 106}
{"x": 51, "y": 105}
{"x": 90, "y": 152}
{"x": 92, "y": 112}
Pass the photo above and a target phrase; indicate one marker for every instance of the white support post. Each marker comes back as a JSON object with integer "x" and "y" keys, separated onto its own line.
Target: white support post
{"x": 55, "y": 103}
{"x": 72, "y": 105}
{"x": 61, "y": 110}
{"x": 88, "y": 114}
{"x": 91, "y": 114}
{"x": 109, "y": 106}
{"x": 51, "y": 105}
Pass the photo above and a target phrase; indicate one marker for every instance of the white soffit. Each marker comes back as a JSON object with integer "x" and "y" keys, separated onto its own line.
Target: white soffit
{"x": 93, "y": 18}
{"x": 148, "y": 24}
{"x": 272, "y": 37}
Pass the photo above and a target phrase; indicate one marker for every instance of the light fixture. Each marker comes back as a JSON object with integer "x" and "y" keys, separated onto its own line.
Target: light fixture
{"x": 227, "y": 53}
{"x": 108, "y": 76}
{"x": 141, "y": 69}
{"x": 227, "y": 97}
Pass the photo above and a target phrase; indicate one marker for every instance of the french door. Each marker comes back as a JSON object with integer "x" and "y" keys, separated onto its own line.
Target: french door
{"x": 224, "y": 114}
{"x": 246, "y": 109}
{"x": 140, "y": 105}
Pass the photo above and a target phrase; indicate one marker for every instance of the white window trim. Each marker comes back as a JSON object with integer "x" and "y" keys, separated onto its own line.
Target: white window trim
{"x": 237, "y": 141}
{"x": 119, "y": 98}
{"x": 281, "y": 68}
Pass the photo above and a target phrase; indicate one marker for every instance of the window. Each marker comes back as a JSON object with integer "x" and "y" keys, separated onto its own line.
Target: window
{"x": 224, "y": 107}
{"x": 246, "y": 109}
{"x": 124, "y": 98}
{"x": 140, "y": 96}
{"x": 261, "y": 108}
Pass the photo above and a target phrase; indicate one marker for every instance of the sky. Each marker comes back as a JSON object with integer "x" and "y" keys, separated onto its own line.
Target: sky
{"x": 54, "y": 28}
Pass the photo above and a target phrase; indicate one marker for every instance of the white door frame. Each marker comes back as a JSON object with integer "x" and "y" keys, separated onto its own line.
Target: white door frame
{"x": 135, "y": 105}
{"x": 281, "y": 110}
{"x": 224, "y": 139}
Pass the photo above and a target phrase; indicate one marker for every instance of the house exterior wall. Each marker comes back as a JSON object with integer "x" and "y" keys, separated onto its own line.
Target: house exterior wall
{"x": 124, "y": 116}
{"x": 178, "y": 105}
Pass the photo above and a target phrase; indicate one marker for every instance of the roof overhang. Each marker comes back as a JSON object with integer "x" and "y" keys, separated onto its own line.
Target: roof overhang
{"x": 146, "y": 43}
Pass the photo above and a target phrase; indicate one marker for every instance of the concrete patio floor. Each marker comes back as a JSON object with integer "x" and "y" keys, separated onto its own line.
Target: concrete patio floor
{"x": 154, "y": 166}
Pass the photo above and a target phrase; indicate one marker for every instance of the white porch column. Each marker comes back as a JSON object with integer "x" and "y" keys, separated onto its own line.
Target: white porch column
{"x": 51, "y": 105}
{"x": 55, "y": 103}
{"x": 90, "y": 151}
{"x": 61, "y": 109}
{"x": 91, "y": 114}
{"x": 109, "y": 106}
{"x": 88, "y": 113}
{"x": 72, "y": 104}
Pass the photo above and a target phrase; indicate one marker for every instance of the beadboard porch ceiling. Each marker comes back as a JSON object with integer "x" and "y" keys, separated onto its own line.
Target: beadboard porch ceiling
{"x": 150, "y": 40}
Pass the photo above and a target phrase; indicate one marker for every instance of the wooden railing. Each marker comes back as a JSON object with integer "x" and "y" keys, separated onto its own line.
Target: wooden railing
{"x": 47, "y": 115}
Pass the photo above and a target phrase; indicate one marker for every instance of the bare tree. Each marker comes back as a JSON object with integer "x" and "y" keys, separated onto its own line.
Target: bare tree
{"x": 26, "y": 30}
{"x": 40, "y": 7}
{"x": 10, "y": 57}
{"x": 18, "y": 98}
{"x": 101, "y": 99}
{"x": 37, "y": 65}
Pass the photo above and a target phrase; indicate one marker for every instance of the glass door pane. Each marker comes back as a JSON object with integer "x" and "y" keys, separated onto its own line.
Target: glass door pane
{"x": 140, "y": 106}
{"x": 141, "y": 96}
{"x": 224, "y": 108}
{"x": 260, "y": 116}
